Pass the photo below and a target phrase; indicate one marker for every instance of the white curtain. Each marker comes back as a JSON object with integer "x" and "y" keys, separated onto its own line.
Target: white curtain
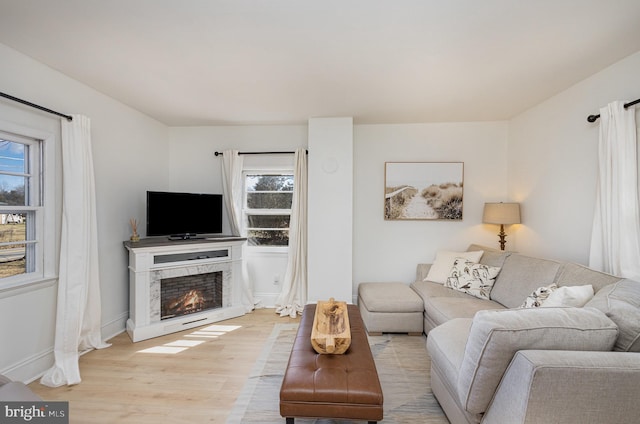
{"x": 78, "y": 309}
{"x": 233, "y": 191}
{"x": 232, "y": 164}
{"x": 293, "y": 297}
{"x": 615, "y": 240}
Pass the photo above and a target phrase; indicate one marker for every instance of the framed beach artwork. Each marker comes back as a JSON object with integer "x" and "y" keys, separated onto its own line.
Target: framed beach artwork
{"x": 423, "y": 190}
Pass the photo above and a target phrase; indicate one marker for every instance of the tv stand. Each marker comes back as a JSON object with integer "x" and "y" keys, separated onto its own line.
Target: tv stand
{"x": 152, "y": 260}
{"x": 185, "y": 236}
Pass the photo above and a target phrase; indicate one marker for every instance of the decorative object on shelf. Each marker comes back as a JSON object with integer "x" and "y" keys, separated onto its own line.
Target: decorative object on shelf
{"x": 331, "y": 332}
{"x": 501, "y": 214}
{"x": 423, "y": 190}
{"x": 134, "y": 230}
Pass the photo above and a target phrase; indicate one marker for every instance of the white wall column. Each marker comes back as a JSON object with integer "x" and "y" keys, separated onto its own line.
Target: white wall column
{"x": 330, "y": 206}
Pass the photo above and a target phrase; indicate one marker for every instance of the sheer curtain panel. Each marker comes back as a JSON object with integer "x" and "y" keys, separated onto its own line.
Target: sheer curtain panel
{"x": 232, "y": 187}
{"x": 293, "y": 297}
{"x": 233, "y": 192}
{"x": 615, "y": 239}
{"x": 78, "y": 309}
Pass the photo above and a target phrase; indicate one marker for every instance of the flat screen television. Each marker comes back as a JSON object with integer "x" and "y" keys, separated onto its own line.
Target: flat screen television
{"x": 183, "y": 215}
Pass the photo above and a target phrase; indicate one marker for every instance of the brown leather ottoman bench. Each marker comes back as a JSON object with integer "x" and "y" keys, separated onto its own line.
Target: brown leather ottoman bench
{"x": 331, "y": 386}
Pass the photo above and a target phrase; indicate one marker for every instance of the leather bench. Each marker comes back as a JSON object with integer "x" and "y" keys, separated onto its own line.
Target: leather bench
{"x": 331, "y": 386}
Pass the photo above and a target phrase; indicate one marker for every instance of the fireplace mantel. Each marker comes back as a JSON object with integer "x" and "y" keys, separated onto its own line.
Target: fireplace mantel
{"x": 154, "y": 259}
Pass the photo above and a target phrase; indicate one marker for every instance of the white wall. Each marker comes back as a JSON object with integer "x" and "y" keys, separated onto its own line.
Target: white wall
{"x": 130, "y": 153}
{"x": 552, "y": 159}
{"x": 390, "y": 250}
{"x": 330, "y": 209}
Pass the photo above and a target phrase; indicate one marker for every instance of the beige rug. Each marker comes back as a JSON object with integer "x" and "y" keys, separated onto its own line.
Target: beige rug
{"x": 403, "y": 368}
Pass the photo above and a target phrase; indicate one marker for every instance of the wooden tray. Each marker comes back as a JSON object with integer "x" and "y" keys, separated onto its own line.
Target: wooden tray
{"x": 331, "y": 333}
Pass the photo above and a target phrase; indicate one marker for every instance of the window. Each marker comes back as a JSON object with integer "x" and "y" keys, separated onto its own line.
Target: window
{"x": 21, "y": 208}
{"x": 267, "y": 208}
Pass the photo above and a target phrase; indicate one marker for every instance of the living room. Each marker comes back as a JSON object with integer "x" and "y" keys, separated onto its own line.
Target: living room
{"x": 542, "y": 154}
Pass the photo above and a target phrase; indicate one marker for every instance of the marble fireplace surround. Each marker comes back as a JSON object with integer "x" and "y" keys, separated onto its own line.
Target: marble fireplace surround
{"x": 154, "y": 259}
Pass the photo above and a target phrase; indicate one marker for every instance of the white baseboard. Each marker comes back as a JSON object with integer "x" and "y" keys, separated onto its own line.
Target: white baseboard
{"x": 265, "y": 300}
{"x": 30, "y": 368}
{"x": 115, "y": 326}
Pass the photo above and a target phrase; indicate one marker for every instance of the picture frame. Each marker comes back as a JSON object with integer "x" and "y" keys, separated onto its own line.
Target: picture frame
{"x": 423, "y": 191}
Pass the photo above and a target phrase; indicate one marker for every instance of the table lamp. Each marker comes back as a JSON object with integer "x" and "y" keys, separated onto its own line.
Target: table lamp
{"x": 501, "y": 214}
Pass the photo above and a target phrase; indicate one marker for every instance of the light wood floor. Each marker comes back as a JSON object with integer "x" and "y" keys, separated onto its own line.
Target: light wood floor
{"x": 128, "y": 384}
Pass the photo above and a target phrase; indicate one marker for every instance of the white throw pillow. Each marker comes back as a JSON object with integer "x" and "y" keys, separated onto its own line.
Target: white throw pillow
{"x": 574, "y": 296}
{"x": 538, "y": 297}
{"x": 472, "y": 278}
{"x": 439, "y": 271}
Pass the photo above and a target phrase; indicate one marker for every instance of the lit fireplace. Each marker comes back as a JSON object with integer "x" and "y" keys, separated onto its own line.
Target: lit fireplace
{"x": 190, "y": 294}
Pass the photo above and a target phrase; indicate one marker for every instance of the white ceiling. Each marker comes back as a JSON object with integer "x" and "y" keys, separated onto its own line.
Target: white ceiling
{"x": 207, "y": 62}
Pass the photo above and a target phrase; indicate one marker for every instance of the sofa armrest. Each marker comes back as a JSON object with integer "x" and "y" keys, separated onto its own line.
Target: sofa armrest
{"x": 422, "y": 270}
{"x": 16, "y": 391}
{"x": 496, "y": 336}
{"x": 543, "y": 386}
{"x": 4, "y": 380}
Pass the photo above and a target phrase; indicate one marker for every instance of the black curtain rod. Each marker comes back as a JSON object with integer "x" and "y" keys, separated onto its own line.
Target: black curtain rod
{"x": 593, "y": 118}
{"x": 35, "y": 106}
{"x": 261, "y": 153}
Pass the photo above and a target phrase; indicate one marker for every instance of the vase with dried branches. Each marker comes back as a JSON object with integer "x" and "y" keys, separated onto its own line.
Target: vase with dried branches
{"x": 134, "y": 230}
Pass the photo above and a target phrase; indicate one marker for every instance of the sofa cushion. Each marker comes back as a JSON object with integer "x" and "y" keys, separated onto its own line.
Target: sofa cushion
{"x": 389, "y": 297}
{"x": 578, "y": 275}
{"x": 439, "y": 271}
{"x": 422, "y": 270}
{"x": 496, "y": 336}
{"x": 520, "y": 276}
{"x": 621, "y": 302}
{"x": 428, "y": 289}
{"x": 472, "y": 278}
{"x": 491, "y": 256}
{"x": 443, "y": 309}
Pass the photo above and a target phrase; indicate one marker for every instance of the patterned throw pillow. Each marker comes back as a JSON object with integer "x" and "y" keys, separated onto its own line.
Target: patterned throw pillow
{"x": 472, "y": 278}
{"x": 539, "y": 295}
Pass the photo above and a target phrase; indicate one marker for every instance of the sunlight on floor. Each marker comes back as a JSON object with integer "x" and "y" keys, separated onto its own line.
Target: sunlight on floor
{"x": 177, "y": 346}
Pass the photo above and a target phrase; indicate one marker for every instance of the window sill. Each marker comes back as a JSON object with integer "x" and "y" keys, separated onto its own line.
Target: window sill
{"x": 22, "y": 287}
{"x": 280, "y": 250}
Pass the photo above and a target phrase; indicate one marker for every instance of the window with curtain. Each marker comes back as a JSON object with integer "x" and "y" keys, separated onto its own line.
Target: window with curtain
{"x": 267, "y": 208}
{"x": 22, "y": 209}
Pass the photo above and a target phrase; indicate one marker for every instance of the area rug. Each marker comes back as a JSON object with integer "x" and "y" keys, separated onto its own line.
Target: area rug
{"x": 403, "y": 368}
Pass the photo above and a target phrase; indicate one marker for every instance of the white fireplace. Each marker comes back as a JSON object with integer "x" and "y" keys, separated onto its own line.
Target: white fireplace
{"x": 177, "y": 285}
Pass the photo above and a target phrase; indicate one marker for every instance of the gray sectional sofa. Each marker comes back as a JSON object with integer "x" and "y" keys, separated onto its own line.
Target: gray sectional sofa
{"x": 493, "y": 361}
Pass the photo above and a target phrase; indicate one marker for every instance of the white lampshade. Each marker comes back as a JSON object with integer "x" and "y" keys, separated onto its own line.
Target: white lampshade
{"x": 501, "y": 213}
